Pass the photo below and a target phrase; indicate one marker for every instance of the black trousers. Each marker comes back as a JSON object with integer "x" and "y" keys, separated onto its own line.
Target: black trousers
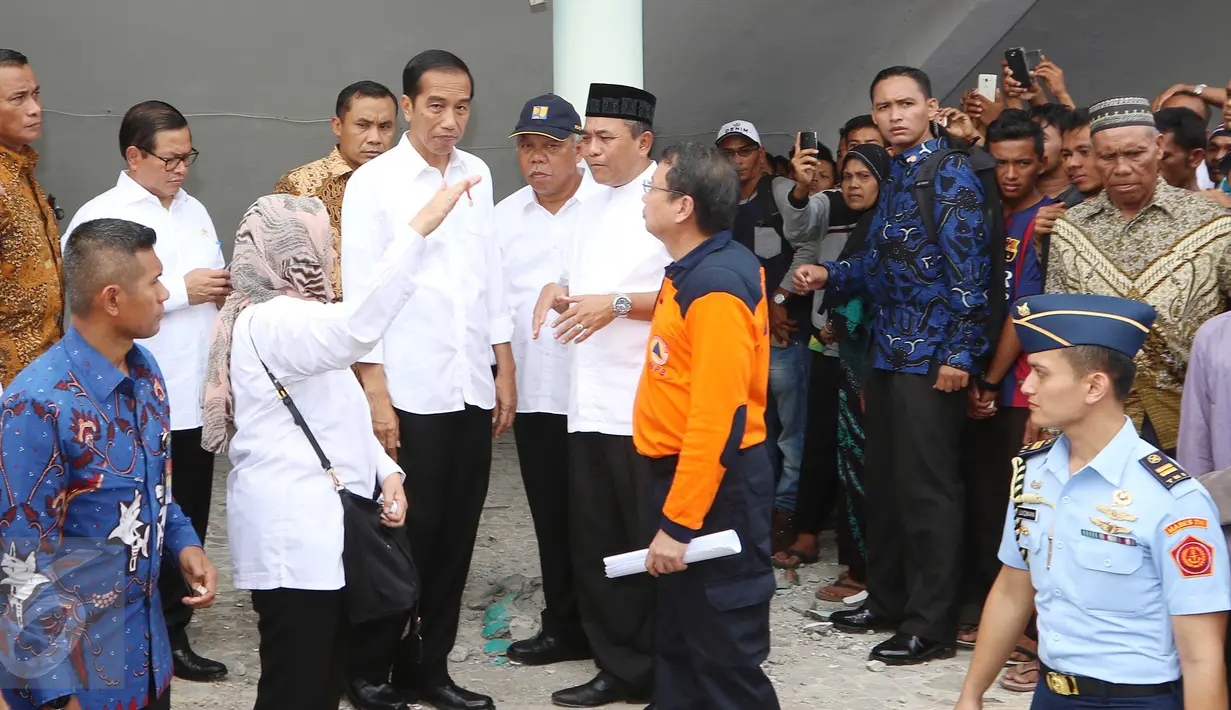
{"x": 447, "y": 459}
{"x": 915, "y": 502}
{"x": 988, "y": 448}
{"x": 542, "y": 455}
{"x": 712, "y": 620}
{"x": 192, "y": 482}
{"x": 609, "y": 484}
{"x": 301, "y": 648}
{"x": 819, "y": 487}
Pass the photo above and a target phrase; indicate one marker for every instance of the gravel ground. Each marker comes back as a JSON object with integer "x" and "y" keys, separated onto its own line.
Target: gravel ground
{"x": 809, "y": 671}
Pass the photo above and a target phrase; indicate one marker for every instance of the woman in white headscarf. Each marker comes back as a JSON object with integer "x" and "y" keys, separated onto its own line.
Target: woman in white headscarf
{"x": 284, "y": 517}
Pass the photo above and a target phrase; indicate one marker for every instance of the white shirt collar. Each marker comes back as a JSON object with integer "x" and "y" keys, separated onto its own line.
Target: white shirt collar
{"x": 133, "y": 193}
{"x": 416, "y": 162}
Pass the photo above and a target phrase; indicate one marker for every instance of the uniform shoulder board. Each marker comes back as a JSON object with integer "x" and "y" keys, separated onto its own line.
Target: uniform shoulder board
{"x": 1167, "y": 472}
{"x": 1038, "y": 447}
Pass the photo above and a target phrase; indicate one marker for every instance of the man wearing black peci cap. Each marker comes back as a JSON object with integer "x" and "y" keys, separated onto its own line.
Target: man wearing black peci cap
{"x": 602, "y": 304}
{"x": 534, "y": 228}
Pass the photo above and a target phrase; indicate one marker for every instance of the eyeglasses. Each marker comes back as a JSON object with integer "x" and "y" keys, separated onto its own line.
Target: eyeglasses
{"x": 746, "y": 152}
{"x": 174, "y": 162}
{"x": 651, "y": 186}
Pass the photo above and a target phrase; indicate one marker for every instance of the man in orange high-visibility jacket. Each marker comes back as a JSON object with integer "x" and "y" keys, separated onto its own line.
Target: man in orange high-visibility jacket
{"x": 699, "y": 418}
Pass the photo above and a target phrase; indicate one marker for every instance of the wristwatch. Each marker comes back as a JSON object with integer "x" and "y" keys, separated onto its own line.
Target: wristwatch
{"x": 779, "y": 299}
{"x": 1200, "y": 89}
{"x": 989, "y": 387}
{"x": 621, "y": 305}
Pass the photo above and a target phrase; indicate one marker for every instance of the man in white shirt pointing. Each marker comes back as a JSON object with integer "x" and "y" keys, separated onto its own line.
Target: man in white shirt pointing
{"x": 430, "y": 382}
{"x": 603, "y": 307}
{"x": 157, "y": 146}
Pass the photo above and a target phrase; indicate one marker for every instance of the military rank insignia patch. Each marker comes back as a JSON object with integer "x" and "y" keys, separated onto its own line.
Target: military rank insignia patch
{"x": 1166, "y": 470}
{"x": 1194, "y": 558}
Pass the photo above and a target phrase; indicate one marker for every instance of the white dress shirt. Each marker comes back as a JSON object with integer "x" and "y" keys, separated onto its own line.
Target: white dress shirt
{"x": 284, "y": 519}
{"x": 534, "y": 248}
{"x": 186, "y": 241}
{"x": 437, "y": 355}
{"x": 612, "y": 253}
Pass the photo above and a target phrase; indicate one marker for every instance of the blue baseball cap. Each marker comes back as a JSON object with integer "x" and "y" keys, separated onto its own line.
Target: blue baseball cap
{"x": 1053, "y": 321}
{"x": 548, "y": 115}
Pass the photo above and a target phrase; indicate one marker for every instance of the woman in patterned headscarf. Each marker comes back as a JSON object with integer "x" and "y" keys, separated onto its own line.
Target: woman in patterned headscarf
{"x": 284, "y": 518}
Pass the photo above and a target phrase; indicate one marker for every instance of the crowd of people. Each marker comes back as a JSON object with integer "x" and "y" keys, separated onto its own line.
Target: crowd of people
{"x": 969, "y": 334}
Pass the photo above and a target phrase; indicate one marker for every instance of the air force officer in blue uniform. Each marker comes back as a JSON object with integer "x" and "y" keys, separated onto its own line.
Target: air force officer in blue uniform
{"x": 1114, "y": 544}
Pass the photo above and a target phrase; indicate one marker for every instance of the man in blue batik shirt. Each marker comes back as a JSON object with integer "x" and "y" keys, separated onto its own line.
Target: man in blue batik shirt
{"x": 85, "y": 494}
{"x": 930, "y": 295}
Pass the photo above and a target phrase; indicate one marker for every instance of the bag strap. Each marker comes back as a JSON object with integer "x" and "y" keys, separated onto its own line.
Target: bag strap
{"x": 296, "y": 415}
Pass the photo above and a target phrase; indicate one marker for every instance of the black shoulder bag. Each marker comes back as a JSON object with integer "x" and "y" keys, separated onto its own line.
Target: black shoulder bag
{"x": 381, "y": 578}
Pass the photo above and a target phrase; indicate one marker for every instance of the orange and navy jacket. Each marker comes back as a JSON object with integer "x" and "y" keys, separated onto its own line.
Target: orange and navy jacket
{"x": 702, "y": 392}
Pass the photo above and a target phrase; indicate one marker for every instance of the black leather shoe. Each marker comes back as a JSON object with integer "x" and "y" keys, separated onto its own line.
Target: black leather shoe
{"x": 602, "y": 690}
{"x": 544, "y": 649}
{"x": 188, "y": 665}
{"x": 450, "y": 696}
{"x": 907, "y": 650}
{"x": 860, "y": 621}
{"x": 368, "y": 696}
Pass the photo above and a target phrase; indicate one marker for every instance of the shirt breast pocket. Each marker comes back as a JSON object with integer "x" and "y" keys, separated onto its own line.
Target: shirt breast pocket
{"x": 766, "y": 242}
{"x": 1108, "y": 576}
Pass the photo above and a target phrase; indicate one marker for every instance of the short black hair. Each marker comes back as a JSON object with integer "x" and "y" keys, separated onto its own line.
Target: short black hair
{"x": 100, "y": 253}
{"x": 702, "y": 172}
{"x": 917, "y": 74}
{"x": 1120, "y": 368}
{"x": 859, "y": 122}
{"x": 364, "y": 89}
{"x": 1209, "y": 110}
{"x": 1077, "y": 118}
{"x": 1050, "y": 115}
{"x": 824, "y": 154}
{"x": 780, "y": 162}
{"x": 145, "y": 120}
{"x": 432, "y": 60}
{"x": 1015, "y": 125}
{"x": 1186, "y": 127}
{"x": 12, "y": 58}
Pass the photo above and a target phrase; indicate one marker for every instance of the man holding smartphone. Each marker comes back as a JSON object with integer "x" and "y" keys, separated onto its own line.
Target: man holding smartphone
{"x": 929, "y": 339}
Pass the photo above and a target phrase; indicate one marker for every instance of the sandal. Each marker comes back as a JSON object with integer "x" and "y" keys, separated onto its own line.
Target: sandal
{"x": 1018, "y": 679}
{"x": 801, "y": 558}
{"x": 967, "y": 637}
{"x": 1025, "y": 652}
{"x": 841, "y": 589}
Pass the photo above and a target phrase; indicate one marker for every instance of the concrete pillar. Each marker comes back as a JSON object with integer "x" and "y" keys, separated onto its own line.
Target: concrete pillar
{"x": 595, "y": 41}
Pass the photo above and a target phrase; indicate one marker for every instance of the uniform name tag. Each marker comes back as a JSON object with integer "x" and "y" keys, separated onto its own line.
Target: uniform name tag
{"x": 1022, "y": 513}
{"x": 1185, "y": 523}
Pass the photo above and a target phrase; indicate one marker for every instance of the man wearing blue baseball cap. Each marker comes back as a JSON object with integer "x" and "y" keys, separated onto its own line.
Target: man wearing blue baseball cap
{"x": 1117, "y": 547}
{"x": 534, "y": 228}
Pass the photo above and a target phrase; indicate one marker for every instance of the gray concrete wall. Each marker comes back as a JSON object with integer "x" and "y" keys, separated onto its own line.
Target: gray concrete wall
{"x": 786, "y": 65}
{"x": 1113, "y": 48}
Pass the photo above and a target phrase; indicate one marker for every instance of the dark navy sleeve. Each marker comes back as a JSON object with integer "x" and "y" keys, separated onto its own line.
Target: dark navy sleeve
{"x": 963, "y": 236}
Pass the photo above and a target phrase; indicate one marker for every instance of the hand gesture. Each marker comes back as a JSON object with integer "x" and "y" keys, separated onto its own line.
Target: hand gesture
{"x": 1014, "y": 92}
{"x": 585, "y": 316}
{"x": 980, "y": 110}
{"x": 951, "y": 379}
{"x": 394, "y": 508}
{"x": 441, "y": 204}
{"x": 809, "y": 277}
{"x": 1052, "y": 77}
{"x": 207, "y": 285}
{"x": 803, "y": 168}
{"x": 666, "y": 555}
{"x": 550, "y": 298}
{"x": 1045, "y": 218}
{"x": 958, "y": 124}
{"x": 1162, "y": 98}
{"x": 201, "y": 577}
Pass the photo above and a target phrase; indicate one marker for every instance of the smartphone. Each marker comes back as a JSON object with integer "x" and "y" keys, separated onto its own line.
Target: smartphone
{"x": 1034, "y": 57}
{"x": 807, "y": 140}
{"x": 1016, "y": 57}
{"x": 987, "y": 86}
